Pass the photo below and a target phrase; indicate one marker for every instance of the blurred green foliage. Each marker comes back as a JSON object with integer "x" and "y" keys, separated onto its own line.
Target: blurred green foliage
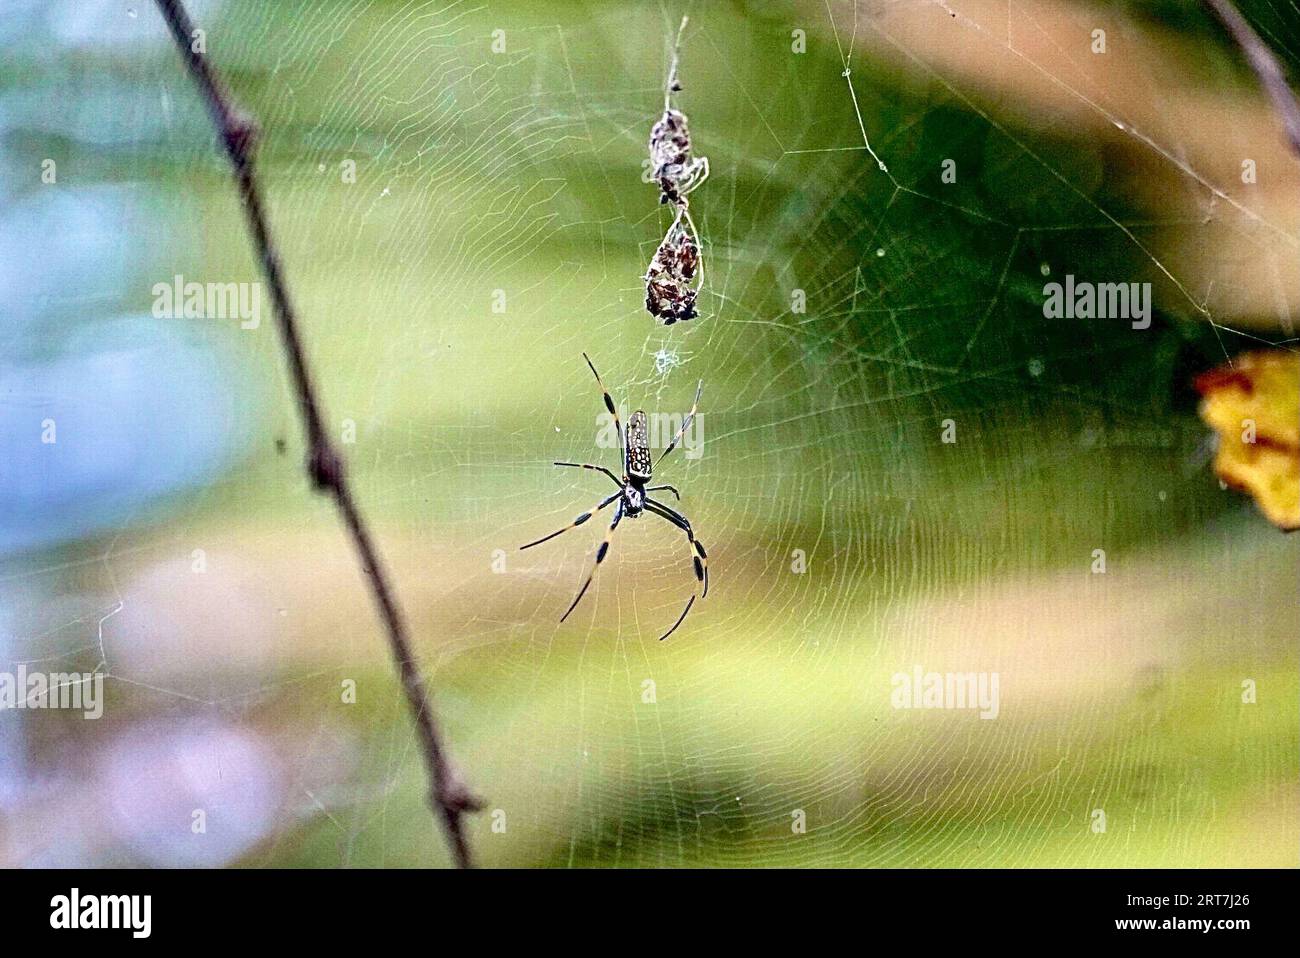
{"x": 522, "y": 172}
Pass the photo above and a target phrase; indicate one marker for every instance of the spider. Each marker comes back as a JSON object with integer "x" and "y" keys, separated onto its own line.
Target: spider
{"x": 633, "y": 495}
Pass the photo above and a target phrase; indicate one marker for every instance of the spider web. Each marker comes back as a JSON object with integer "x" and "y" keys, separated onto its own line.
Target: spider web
{"x": 857, "y": 307}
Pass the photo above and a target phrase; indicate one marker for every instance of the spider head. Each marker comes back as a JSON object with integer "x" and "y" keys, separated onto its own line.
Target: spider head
{"x": 633, "y": 500}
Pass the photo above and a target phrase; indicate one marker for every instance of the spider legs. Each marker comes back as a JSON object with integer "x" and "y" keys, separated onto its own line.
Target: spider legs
{"x": 699, "y": 559}
{"x": 685, "y": 425}
{"x": 609, "y": 404}
{"x": 587, "y": 465}
{"x": 600, "y": 557}
{"x": 630, "y": 490}
{"x": 680, "y": 619}
{"x": 578, "y": 521}
{"x": 693, "y": 174}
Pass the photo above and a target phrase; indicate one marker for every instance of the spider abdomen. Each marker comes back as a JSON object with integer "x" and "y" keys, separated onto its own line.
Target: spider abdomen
{"x": 639, "y": 465}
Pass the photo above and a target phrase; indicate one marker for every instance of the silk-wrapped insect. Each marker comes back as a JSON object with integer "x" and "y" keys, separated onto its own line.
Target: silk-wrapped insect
{"x": 675, "y": 274}
{"x": 673, "y": 280}
{"x": 676, "y": 172}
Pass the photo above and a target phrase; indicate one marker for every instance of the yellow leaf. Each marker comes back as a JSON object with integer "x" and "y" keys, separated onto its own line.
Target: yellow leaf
{"x": 1254, "y": 407}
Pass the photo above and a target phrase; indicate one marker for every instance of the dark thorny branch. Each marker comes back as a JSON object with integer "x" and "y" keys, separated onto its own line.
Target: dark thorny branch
{"x": 1265, "y": 65}
{"x": 449, "y": 796}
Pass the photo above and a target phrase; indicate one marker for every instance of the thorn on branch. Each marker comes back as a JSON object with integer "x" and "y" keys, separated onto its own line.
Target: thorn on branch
{"x": 455, "y": 796}
{"x": 240, "y": 133}
{"x": 325, "y": 467}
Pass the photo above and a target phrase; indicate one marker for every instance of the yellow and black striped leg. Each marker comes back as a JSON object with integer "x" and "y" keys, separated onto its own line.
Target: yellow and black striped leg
{"x": 575, "y": 523}
{"x": 680, "y": 619}
{"x": 609, "y": 404}
{"x": 686, "y": 424}
{"x": 587, "y": 465}
{"x": 600, "y": 557}
{"x": 701, "y": 559}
